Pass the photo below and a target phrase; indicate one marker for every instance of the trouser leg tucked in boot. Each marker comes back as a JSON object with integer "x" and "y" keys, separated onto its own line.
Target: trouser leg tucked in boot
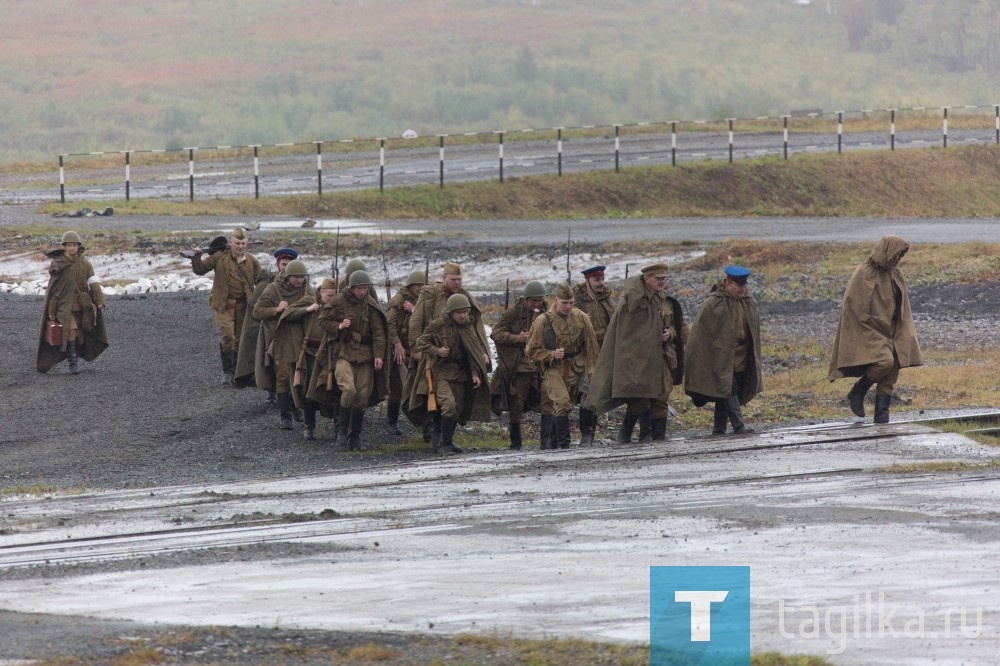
{"x": 392, "y": 419}
{"x": 856, "y": 397}
{"x": 448, "y": 436}
{"x": 514, "y": 430}
{"x": 882, "y": 407}
{"x": 354, "y": 435}
{"x": 561, "y": 426}
{"x": 285, "y": 410}
{"x": 309, "y": 430}
{"x": 659, "y": 428}
{"x": 72, "y": 357}
{"x": 588, "y": 421}
{"x": 228, "y": 368}
{"x": 545, "y": 433}
{"x": 646, "y": 427}
{"x": 628, "y": 425}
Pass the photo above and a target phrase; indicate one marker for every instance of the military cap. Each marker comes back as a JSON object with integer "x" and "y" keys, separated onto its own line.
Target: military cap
{"x": 564, "y": 291}
{"x": 658, "y": 269}
{"x": 328, "y": 283}
{"x": 594, "y": 271}
{"x": 286, "y": 252}
{"x": 238, "y": 234}
{"x": 70, "y": 237}
{"x": 451, "y": 268}
{"x": 737, "y": 274}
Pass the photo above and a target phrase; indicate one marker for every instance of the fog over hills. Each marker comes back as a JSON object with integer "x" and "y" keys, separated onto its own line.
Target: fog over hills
{"x": 95, "y": 75}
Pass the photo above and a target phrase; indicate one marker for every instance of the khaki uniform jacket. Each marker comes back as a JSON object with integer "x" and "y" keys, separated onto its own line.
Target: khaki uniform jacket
{"x": 574, "y": 333}
{"x": 630, "y": 365}
{"x": 709, "y": 354}
{"x": 430, "y": 306}
{"x": 221, "y": 262}
{"x": 443, "y": 332}
{"x": 598, "y": 309}
{"x": 366, "y": 339}
{"x": 399, "y": 319}
{"x": 875, "y": 317}
{"x": 73, "y": 291}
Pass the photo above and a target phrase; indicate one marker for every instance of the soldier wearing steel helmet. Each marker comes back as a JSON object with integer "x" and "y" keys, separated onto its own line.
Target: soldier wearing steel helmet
{"x": 277, "y": 346}
{"x": 398, "y": 316}
{"x": 453, "y": 354}
{"x": 75, "y": 301}
{"x": 353, "y": 265}
{"x": 514, "y": 386}
{"x": 594, "y": 298}
{"x": 236, "y": 274}
{"x": 353, "y": 357}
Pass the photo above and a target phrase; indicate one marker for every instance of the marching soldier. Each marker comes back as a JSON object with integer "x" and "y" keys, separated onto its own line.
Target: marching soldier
{"x": 595, "y": 299}
{"x": 246, "y": 359}
{"x": 355, "y": 349}
{"x": 453, "y": 355}
{"x": 236, "y": 274}
{"x": 643, "y": 354}
{"x": 279, "y": 344}
{"x": 398, "y": 316}
{"x": 512, "y": 383}
{"x": 306, "y": 311}
{"x": 353, "y": 265}
{"x": 723, "y": 358}
{"x": 74, "y": 301}
{"x": 563, "y": 344}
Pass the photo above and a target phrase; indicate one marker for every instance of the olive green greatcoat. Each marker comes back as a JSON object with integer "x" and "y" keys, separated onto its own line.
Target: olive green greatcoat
{"x": 305, "y": 362}
{"x": 430, "y": 306}
{"x": 875, "y": 317}
{"x": 709, "y": 353}
{"x": 511, "y": 356}
{"x": 630, "y": 365}
{"x": 347, "y": 344}
{"x": 220, "y": 262}
{"x": 444, "y": 332}
{"x": 72, "y": 291}
{"x": 246, "y": 358}
{"x": 272, "y": 349}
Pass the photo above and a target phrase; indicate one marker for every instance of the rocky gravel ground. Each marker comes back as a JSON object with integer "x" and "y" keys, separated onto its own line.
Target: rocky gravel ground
{"x": 152, "y": 411}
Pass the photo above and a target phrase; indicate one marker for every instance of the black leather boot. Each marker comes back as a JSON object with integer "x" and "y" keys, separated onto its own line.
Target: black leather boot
{"x": 428, "y": 431}
{"x": 272, "y": 397}
{"x": 354, "y": 435}
{"x": 646, "y": 427}
{"x": 72, "y": 357}
{"x": 436, "y": 432}
{"x": 515, "y": 436}
{"x": 882, "y": 408}
{"x": 285, "y": 410}
{"x": 856, "y": 397}
{"x": 309, "y": 430}
{"x": 448, "y": 436}
{"x": 343, "y": 427}
{"x": 720, "y": 420}
{"x": 545, "y": 437}
{"x": 228, "y": 368}
{"x": 588, "y": 421}
{"x": 561, "y": 427}
{"x": 659, "y": 427}
{"x": 392, "y": 419}
{"x": 628, "y": 425}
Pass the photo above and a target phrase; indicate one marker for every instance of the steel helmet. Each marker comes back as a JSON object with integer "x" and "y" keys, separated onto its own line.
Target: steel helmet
{"x": 296, "y": 267}
{"x": 416, "y": 277}
{"x": 71, "y": 237}
{"x": 355, "y": 265}
{"x": 457, "y": 302}
{"x": 359, "y": 278}
{"x": 534, "y": 289}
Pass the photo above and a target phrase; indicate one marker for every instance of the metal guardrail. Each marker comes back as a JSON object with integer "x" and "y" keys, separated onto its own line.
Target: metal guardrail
{"x": 236, "y": 171}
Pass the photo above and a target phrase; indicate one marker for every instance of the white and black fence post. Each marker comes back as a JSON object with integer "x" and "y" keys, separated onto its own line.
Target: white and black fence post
{"x": 128, "y": 178}
{"x": 673, "y": 143}
{"x": 381, "y": 165}
{"x": 190, "y": 174}
{"x": 892, "y": 129}
{"x": 944, "y": 128}
{"x": 62, "y": 177}
{"x": 840, "y": 132}
{"x": 559, "y": 145}
{"x": 730, "y": 140}
{"x": 501, "y": 155}
{"x": 256, "y": 172}
{"x": 618, "y": 147}
{"x": 441, "y": 160}
{"x": 785, "y": 134}
{"x": 319, "y": 167}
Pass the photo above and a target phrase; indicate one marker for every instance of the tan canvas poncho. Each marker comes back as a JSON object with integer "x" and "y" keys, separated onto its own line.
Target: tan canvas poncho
{"x": 73, "y": 290}
{"x": 875, "y": 318}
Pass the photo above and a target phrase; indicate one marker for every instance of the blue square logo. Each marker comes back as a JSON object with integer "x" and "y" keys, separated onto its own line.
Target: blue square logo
{"x": 699, "y": 615}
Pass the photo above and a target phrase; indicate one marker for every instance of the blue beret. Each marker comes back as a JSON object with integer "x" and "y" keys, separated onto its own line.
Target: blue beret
{"x": 286, "y": 252}
{"x": 737, "y": 272}
{"x": 594, "y": 270}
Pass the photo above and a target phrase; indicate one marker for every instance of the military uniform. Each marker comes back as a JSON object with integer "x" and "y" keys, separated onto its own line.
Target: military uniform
{"x": 599, "y": 307}
{"x": 279, "y": 340}
{"x": 397, "y": 314}
{"x": 572, "y": 333}
{"x": 637, "y": 367}
{"x": 74, "y": 299}
{"x": 306, "y": 312}
{"x": 516, "y": 381}
{"x": 723, "y": 352}
{"x": 246, "y": 359}
{"x": 232, "y": 286}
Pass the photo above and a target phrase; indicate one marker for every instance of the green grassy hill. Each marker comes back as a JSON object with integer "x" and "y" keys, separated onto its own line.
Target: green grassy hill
{"x": 113, "y": 74}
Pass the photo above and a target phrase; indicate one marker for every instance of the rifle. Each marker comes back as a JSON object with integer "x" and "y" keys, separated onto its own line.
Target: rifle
{"x": 427, "y": 272}
{"x": 336, "y": 259}
{"x": 506, "y": 298}
{"x": 329, "y": 371}
{"x": 432, "y": 405}
{"x": 569, "y": 244}
{"x": 388, "y": 283}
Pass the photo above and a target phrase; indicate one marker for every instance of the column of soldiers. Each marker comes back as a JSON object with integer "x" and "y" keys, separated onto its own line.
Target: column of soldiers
{"x": 334, "y": 351}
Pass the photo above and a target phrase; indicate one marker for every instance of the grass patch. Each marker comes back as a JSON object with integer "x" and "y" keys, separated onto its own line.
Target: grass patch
{"x": 38, "y": 490}
{"x": 940, "y": 466}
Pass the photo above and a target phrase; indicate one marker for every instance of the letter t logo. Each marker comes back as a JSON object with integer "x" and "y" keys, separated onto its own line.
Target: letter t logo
{"x": 701, "y": 610}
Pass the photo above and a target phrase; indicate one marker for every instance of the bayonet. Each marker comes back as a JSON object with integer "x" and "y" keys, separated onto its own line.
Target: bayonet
{"x": 336, "y": 259}
{"x": 569, "y": 244}
{"x": 388, "y": 282}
